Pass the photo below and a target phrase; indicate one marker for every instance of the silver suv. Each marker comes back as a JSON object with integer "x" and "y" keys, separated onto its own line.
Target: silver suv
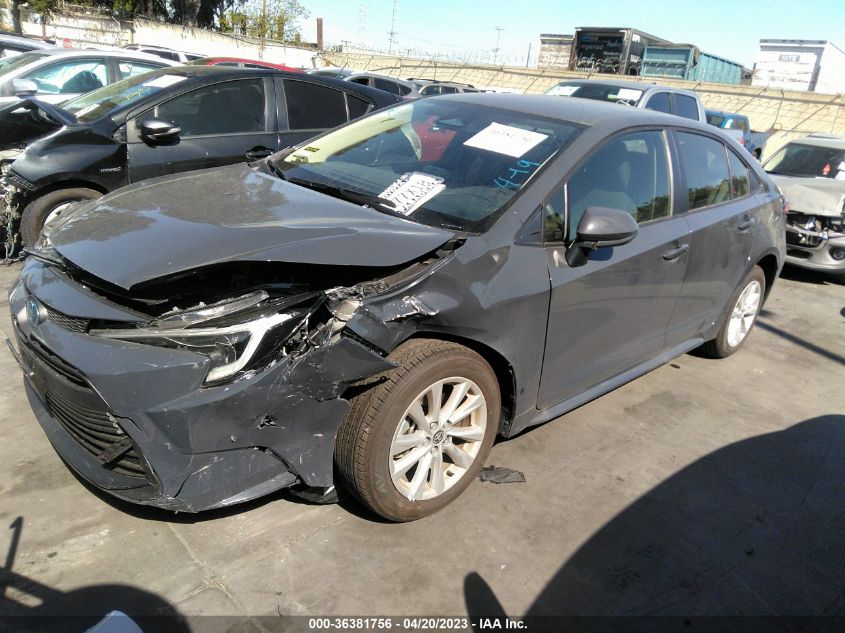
{"x": 685, "y": 103}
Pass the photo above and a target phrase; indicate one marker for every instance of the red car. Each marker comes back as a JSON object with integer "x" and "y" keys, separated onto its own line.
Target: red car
{"x": 242, "y": 63}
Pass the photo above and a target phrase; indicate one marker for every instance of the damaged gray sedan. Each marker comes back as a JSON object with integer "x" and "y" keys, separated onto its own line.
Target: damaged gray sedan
{"x": 372, "y": 308}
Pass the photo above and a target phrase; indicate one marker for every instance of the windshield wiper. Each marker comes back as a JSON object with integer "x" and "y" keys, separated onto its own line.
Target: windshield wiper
{"x": 350, "y": 195}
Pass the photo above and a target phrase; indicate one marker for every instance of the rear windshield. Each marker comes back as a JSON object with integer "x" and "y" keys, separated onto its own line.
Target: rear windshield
{"x": 596, "y": 91}
{"x": 93, "y": 105}
{"x": 808, "y": 161}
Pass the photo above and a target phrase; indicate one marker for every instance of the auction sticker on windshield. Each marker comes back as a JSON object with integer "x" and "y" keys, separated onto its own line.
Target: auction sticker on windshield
{"x": 563, "y": 91}
{"x": 629, "y": 94}
{"x": 412, "y": 190}
{"x": 506, "y": 139}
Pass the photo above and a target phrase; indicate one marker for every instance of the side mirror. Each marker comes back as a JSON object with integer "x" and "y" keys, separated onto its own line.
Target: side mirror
{"x": 600, "y": 227}
{"x": 155, "y": 131}
{"x": 24, "y": 87}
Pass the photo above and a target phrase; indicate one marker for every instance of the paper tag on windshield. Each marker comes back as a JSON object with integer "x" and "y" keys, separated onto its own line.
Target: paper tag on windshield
{"x": 562, "y": 91}
{"x": 412, "y": 190}
{"x": 629, "y": 94}
{"x": 505, "y": 139}
{"x": 164, "y": 81}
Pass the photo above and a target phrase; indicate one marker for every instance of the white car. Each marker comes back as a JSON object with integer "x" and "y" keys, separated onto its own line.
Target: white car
{"x": 57, "y": 75}
{"x": 165, "y": 53}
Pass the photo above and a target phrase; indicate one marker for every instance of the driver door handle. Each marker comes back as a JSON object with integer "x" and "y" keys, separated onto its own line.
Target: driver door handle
{"x": 258, "y": 152}
{"x": 675, "y": 253}
{"x": 746, "y": 225}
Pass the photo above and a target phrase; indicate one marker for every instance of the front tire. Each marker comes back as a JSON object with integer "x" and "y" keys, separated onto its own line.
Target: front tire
{"x": 49, "y": 207}
{"x": 744, "y": 307}
{"x": 413, "y": 443}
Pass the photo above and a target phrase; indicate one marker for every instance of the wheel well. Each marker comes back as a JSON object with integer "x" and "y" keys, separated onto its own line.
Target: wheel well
{"x": 501, "y": 367}
{"x": 769, "y": 264}
{"x": 66, "y": 184}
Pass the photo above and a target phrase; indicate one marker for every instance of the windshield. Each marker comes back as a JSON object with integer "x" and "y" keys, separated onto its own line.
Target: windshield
{"x": 437, "y": 162}
{"x": 596, "y": 91}
{"x": 808, "y": 161}
{"x": 9, "y": 64}
{"x": 93, "y": 105}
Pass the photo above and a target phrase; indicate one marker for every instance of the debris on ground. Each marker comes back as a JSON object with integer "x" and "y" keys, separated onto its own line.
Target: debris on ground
{"x": 501, "y": 475}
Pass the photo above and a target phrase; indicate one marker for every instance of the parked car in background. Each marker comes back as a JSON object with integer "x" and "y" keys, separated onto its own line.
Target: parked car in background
{"x": 684, "y": 103}
{"x": 342, "y": 313}
{"x": 811, "y": 173}
{"x": 164, "y": 53}
{"x": 11, "y": 45}
{"x": 738, "y": 126}
{"x": 168, "y": 121}
{"x": 239, "y": 62}
{"x": 400, "y": 87}
{"x": 56, "y": 75}
{"x": 338, "y": 73}
{"x": 433, "y": 88}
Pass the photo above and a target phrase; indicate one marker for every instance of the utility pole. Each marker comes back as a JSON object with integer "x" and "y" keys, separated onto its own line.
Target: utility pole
{"x": 392, "y": 31}
{"x": 496, "y": 50}
{"x": 528, "y": 57}
{"x": 262, "y": 31}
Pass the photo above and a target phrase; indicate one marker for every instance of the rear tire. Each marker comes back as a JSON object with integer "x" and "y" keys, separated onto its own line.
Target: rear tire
{"x": 36, "y": 212}
{"x": 743, "y": 309}
{"x": 385, "y": 429}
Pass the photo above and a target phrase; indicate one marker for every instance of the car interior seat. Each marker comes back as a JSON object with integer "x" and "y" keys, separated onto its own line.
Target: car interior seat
{"x": 83, "y": 81}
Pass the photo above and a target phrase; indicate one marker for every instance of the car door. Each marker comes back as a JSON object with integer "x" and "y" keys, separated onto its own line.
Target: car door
{"x": 722, "y": 214}
{"x": 62, "y": 80}
{"x": 222, "y": 123}
{"x": 610, "y": 314}
{"x": 308, "y": 108}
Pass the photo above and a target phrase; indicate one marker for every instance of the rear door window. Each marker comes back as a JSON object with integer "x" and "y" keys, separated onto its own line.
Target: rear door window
{"x": 686, "y": 107}
{"x": 387, "y": 86}
{"x": 705, "y": 167}
{"x": 740, "y": 182}
{"x": 312, "y": 106}
{"x": 129, "y": 68}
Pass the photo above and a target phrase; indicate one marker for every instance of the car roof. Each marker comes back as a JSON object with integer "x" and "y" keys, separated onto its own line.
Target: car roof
{"x": 830, "y": 141}
{"x": 635, "y": 85}
{"x": 197, "y": 75}
{"x": 584, "y": 111}
{"x": 26, "y": 41}
{"x": 215, "y": 59}
{"x": 87, "y": 52}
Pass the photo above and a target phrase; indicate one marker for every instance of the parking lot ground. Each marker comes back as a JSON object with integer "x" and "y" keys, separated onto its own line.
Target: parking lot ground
{"x": 703, "y": 488}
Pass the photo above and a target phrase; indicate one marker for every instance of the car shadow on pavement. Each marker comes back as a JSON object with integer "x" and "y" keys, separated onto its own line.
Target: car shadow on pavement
{"x": 753, "y": 529}
{"x": 27, "y": 605}
{"x": 794, "y": 273}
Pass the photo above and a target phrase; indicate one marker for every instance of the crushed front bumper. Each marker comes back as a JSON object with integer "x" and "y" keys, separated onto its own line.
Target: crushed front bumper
{"x": 821, "y": 250}
{"x": 137, "y": 422}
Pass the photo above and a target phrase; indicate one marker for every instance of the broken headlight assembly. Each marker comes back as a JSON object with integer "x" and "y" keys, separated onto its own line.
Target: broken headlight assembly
{"x": 232, "y": 333}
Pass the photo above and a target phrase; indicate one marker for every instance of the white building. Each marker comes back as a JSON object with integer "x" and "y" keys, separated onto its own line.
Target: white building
{"x": 814, "y": 65}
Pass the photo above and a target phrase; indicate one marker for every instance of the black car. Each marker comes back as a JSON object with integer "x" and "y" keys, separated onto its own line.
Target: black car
{"x": 166, "y": 121}
{"x": 373, "y": 307}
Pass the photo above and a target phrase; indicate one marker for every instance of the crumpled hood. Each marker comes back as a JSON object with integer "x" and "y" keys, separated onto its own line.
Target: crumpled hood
{"x": 177, "y": 223}
{"x": 813, "y": 196}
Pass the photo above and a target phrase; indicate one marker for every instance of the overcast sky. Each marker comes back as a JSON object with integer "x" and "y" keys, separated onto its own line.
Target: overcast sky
{"x": 727, "y": 28}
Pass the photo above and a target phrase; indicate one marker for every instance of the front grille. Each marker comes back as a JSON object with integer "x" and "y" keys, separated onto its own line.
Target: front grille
{"x": 79, "y": 409}
{"x": 72, "y": 324}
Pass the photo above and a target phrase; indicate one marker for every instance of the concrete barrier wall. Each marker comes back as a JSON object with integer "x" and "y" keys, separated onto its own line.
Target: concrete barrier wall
{"x": 81, "y": 31}
{"x": 784, "y": 114}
